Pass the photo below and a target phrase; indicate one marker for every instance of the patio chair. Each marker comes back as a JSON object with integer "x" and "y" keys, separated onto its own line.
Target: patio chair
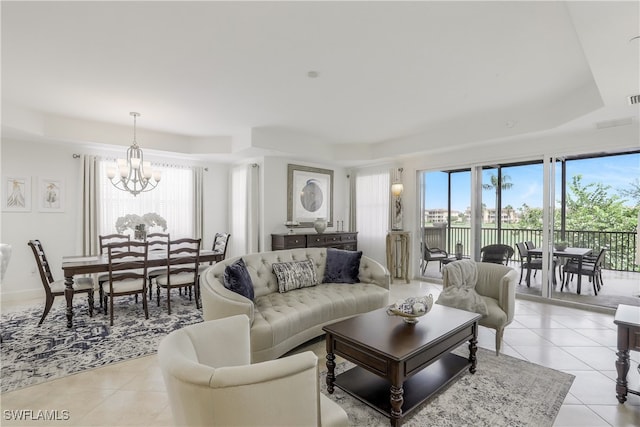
{"x": 535, "y": 263}
{"x": 432, "y": 254}
{"x": 593, "y": 270}
{"x": 433, "y": 242}
{"x": 496, "y": 254}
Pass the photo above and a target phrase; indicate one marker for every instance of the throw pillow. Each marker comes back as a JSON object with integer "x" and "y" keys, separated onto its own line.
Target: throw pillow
{"x": 342, "y": 266}
{"x": 238, "y": 280}
{"x": 460, "y": 291}
{"x": 295, "y": 275}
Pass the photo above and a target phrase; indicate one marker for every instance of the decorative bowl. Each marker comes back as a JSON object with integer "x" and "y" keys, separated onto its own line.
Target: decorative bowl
{"x": 411, "y": 309}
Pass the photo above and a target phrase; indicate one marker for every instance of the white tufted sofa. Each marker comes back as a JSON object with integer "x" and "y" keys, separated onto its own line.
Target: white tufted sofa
{"x": 283, "y": 321}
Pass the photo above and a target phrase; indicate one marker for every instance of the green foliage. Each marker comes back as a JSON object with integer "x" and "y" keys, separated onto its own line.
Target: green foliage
{"x": 632, "y": 193}
{"x": 530, "y": 218}
{"x": 590, "y": 207}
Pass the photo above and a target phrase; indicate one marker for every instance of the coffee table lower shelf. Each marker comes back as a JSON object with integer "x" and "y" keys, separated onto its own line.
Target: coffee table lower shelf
{"x": 374, "y": 391}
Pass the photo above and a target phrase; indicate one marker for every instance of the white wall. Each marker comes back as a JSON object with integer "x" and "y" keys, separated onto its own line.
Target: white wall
{"x": 60, "y": 233}
{"x": 274, "y": 184}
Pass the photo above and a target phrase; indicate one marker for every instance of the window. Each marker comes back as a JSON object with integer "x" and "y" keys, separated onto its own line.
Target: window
{"x": 172, "y": 199}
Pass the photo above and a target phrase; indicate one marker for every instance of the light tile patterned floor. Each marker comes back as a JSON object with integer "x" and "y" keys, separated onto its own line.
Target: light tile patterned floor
{"x": 580, "y": 342}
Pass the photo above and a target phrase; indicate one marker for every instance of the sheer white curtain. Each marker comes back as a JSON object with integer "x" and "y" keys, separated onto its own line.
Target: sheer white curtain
{"x": 172, "y": 199}
{"x": 372, "y": 212}
{"x": 245, "y": 210}
{"x": 90, "y": 204}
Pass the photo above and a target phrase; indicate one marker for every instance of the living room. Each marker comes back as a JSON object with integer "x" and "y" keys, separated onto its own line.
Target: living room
{"x": 348, "y": 87}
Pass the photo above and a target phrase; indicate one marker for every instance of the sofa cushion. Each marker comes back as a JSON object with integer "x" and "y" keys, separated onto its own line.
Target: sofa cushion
{"x": 342, "y": 266}
{"x": 279, "y": 317}
{"x": 237, "y": 279}
{"x": 295, "y": 275}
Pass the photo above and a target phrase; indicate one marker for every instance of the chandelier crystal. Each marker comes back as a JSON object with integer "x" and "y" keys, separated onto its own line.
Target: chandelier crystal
{"x": 135, "y": 174}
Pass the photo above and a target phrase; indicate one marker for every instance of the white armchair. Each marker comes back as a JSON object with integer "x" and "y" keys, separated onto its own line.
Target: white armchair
{"x": 210, "y": 381}
{"x": 496, "y": 285}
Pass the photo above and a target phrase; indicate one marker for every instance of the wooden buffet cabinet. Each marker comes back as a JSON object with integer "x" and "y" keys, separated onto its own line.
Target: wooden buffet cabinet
{"x": 339, "y": 240}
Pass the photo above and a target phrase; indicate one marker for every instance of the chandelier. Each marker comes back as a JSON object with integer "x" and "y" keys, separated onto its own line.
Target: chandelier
{"x": 135, "y": 175}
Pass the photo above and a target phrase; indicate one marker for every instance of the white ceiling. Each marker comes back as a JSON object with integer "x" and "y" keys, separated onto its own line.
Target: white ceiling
{"x": 220, "y": 78}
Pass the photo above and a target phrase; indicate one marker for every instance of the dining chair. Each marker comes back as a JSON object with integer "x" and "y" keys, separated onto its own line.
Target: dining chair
{"x": 105, "y": 241}
{"x": 220, "y": 245}
{"x": 158, "y": 242}
{"x": 182, "y": 270}
{"x": 593, "y": 270}
{"x": 55, "y": 288}
{"x": 496, "y": 254}
{"x": 127, "y": 273}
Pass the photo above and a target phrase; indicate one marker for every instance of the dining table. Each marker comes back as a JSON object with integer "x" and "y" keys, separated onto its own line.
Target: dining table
{"x": 80, "y": 265}
{"x": 575, "y": 253}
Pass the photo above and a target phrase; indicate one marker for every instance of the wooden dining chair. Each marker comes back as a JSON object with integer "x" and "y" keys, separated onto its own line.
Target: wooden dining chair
{"x": 105, "y": 241}
{"x": 158, "y": 242}
{"x": 182, "y": 270}
{"x": 220, "y": 245}
{"x": 55, "y": 288}
{"x": 127, "y": 273}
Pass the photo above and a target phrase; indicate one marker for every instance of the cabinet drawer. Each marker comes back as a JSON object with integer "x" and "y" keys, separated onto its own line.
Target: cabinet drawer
{"x": 346, "y": 238}
{"x": 291, "y": 242}
{"x": 315, "y": 240}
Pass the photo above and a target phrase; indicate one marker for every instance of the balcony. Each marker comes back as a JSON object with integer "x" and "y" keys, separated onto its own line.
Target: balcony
{"x": 621, "y": 276}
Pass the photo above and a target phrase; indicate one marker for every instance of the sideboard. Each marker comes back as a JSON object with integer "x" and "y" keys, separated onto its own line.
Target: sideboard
{"x": 340, "y": 240}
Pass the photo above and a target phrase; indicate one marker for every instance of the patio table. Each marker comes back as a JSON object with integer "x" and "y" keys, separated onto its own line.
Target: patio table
{"x": 576, "y": 253}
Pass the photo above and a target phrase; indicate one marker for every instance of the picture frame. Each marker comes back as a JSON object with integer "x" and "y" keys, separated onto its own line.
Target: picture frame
{"x": 16, "y": 193}
{"x": 309, "y": 195}
{"x": 51, "y": 195}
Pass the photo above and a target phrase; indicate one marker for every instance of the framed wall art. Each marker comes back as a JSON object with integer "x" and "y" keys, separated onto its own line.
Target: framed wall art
{"x": 309, "y": 195}
{"x": 16, "y": 194}
{"x": 50, "y": 195}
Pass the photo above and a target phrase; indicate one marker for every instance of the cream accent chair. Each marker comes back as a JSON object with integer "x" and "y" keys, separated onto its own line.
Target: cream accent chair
{"x": 210, "y": 381}
{"x": 497, "y": 286}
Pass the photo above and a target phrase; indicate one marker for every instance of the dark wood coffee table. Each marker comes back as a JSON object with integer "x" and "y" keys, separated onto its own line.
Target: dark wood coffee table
{"x": 400, "y": 365}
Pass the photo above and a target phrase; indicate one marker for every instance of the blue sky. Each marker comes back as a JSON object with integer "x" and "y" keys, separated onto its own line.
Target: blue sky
{"x": 616, "y": 171}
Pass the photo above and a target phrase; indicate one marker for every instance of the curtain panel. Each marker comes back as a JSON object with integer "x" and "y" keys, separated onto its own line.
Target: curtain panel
{"x": 372, "y": 212}
{"x": 245, "y": 210}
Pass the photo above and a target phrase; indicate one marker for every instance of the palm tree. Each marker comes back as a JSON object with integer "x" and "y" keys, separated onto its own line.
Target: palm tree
{"x": 504, "y": 185}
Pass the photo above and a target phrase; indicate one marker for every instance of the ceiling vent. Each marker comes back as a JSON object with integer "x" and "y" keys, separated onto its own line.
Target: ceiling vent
{"x": 634, "y": 99}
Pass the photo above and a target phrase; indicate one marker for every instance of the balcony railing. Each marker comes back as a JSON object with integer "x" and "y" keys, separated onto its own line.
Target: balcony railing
{"x": 619, "y": 256}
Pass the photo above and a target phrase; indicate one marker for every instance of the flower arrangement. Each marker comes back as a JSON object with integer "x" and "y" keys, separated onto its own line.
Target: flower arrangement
{"x": 133, "y": 222}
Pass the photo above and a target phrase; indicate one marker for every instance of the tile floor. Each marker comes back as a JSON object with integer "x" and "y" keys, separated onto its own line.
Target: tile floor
{"x": 579, "y": 342}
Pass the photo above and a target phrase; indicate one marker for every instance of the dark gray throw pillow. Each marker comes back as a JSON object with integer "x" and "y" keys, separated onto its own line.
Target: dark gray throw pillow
{"x": 342, "y": 266}
{"x": 238, "y": 280}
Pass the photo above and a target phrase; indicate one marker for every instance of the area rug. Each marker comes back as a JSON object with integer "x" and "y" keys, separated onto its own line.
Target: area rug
{"x": 31, "y": 354}
{"x": 504, "y": 391}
